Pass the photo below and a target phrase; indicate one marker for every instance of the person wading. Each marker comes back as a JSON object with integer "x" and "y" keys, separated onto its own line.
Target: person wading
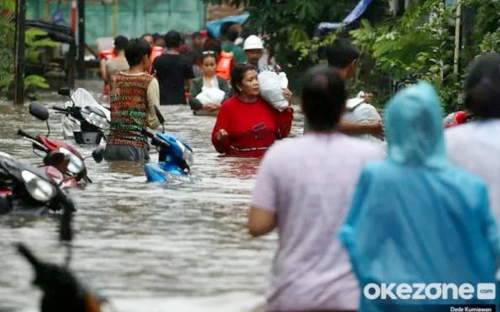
{"x": 133, "y": 100}
{"x": 304, "y": 188}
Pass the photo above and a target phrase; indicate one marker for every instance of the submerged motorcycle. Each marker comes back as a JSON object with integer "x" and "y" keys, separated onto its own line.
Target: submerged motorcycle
{"x": 70, "y": 164}
{"x": 175, "y": 157}
{"x": 25, "y": 189}
{"x": 86, "y": 120}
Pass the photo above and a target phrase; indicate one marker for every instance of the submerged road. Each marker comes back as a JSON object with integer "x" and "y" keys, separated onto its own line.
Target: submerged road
{"x": 147, "y": 247}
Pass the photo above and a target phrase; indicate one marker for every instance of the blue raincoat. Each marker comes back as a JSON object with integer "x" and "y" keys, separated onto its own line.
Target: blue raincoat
{"x": 415, "y": 218}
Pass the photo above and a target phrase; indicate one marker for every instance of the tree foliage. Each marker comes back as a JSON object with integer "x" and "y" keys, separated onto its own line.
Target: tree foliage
{"x": 287, "y": 23}
{"x": 397, "y": 50}
{"x": 35, "y": 41}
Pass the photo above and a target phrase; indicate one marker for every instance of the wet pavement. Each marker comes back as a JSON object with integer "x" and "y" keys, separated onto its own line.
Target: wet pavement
{"x": 147, "y": 247}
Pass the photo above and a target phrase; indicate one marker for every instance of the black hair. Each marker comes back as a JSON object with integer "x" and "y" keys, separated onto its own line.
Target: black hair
{"x": 323, "y": 97}
{"x": 136, "y": 50}
{"x": 121, "y": 43}
{"x": 232, "y": 34}
{"x": 224, "y": 28}
{"x": 341, "y": 53}
{"x": 197, "y": 34}
{"x": 212, "y": 45}
{"x": 482, "y": 86}
{"x": 173, "y": 39}
{"x": 238, "y": 73}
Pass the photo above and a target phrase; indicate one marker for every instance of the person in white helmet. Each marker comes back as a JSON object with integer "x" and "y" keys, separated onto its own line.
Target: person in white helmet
{"x": 254, "y": 49}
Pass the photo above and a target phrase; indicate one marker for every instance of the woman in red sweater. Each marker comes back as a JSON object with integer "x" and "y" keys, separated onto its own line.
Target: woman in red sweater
{"x": 247, "y": 125}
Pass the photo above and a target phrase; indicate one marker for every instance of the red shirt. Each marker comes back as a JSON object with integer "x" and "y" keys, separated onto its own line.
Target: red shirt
{"x": 251, "y": 127}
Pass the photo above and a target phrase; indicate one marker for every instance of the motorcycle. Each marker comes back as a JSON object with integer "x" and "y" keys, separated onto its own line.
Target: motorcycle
{"x": 59, "y": 155}
{"x": 25, "y": 189}
{"x": 175, "y": 157}
{"x": 86, "y": 120}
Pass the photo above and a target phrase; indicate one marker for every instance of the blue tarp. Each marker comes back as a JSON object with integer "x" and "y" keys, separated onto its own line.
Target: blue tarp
{"x": 214, "y": 26}
{"x": 352, "y": 17}
{"x": 415, "y": 218}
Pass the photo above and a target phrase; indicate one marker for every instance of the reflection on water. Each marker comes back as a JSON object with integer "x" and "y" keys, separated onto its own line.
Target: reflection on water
{"x": 146, "y": 246}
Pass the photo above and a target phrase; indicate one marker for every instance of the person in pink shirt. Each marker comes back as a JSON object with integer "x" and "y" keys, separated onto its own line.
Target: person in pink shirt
{"x": 304, "y": 188}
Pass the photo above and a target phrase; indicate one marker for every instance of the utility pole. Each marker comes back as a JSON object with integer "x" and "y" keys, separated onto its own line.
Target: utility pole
{"x": 81, "y": 39}
{"x": 19, "y": 52}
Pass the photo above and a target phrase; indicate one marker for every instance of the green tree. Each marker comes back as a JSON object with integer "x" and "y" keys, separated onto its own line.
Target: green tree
{"x": 35, "y": 41}
{"x": 288, "y": 23}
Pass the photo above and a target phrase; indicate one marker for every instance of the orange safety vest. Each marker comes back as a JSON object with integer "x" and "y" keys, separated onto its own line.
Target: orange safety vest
{"x": 225, "y": 65}
{"x": 155, "y": 52}
{"x": 108, "y": 54}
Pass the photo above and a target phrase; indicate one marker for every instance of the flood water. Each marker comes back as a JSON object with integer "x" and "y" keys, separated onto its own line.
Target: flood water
{"x": 145, "y": 246}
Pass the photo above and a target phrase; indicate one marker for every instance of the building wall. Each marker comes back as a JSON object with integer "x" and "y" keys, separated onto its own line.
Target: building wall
{"x": 135, "y": 17}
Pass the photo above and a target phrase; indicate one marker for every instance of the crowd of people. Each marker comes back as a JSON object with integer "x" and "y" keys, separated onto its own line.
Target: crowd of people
{"x": 355, "y": 200}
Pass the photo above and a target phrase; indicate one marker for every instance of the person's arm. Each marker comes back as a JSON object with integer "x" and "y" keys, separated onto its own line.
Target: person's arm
{"x": 189, "y": 75}
{"x": 262, "y": 214}
{"x": 153, "y": 101}
{"x": 195, "y": 90}
{"x": 108, "y": 76}
{"x": 222, "y": 130}
{"x": 374, "y": 128}
{"x": 102, "y": 70}
{"x": 260, "y": 222}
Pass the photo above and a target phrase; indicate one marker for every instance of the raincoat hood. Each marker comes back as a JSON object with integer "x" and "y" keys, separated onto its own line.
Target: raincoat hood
{"x": 414, "y": 127}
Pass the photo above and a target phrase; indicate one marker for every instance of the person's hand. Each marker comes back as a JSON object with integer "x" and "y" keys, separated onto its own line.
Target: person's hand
{"x": 211, "y": 107}
{"x": 287, "y": 94}
{"x": 222, "y": 135}
{"x": 368, "y": 97}
{"x": 377, "y": 129}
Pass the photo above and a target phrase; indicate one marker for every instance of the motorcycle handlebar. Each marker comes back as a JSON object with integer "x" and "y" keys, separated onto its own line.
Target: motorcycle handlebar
{"x": 65, "y": 110}
{"x": 26, "y": 135}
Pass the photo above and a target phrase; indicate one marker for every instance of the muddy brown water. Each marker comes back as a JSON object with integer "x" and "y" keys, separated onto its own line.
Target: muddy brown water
{"x": 145, "y": 246}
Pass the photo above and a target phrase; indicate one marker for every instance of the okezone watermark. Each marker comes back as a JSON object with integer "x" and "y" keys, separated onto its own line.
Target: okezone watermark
{"x": 431, "y": 291}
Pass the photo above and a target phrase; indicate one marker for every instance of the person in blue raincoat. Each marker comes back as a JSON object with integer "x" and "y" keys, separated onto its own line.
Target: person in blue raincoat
{"x": 415, "y": 218}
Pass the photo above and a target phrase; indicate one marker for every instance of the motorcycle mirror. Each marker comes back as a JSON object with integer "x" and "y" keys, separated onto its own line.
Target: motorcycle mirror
{"x": 64, "y": 91}
{"x": 39, "y": 111}
{"x": 98, "y": 154}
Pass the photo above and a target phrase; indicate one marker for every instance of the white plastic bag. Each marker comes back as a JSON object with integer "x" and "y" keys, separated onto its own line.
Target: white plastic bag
{"x": 271, "y": 89}
{"x": 211, "y": 95}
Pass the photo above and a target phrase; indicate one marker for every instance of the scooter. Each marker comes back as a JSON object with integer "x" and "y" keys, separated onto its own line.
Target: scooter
{"x": 59, "y": 154}
{"x": 86, "y": 120}
{"x": 28, "y": 190}
{"x": 175, "y": 157}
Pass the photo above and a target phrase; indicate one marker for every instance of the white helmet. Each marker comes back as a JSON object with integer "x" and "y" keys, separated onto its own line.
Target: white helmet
{"x": 253, "y": 43}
